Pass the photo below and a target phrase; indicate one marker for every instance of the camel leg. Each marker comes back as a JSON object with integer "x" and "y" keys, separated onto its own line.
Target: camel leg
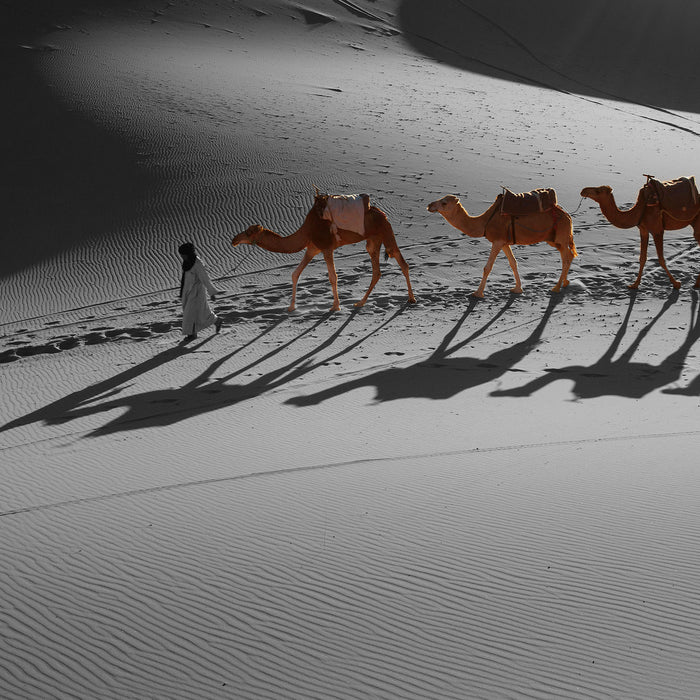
{"x": 659, "y": 245}
{"x": 518, "y": 289}
{"x": 566, "y": 258}
{"x": 396, "y": 254}
{"x": 333, "y": 277}
{"x": 495, "y": 250}
{"x": 373, "y": 250}
{"x": 643, "y": 245}
{"x": 308, "y": 256}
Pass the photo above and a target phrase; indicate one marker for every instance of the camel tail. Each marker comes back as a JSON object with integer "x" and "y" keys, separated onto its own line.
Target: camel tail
{"x": 570, "y": 225}
{"x": 380, "y": 219}
{"x": 572, "y": 244}
{"x": 391, "y": 248}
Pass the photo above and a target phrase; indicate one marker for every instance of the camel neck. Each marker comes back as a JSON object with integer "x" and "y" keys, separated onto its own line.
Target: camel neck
{"x": 622, "y": 218}
{"x": 275, "y": 243}
{"x": 472, "y": 226}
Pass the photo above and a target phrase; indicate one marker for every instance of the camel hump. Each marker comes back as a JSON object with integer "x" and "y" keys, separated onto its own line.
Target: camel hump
{"x": 680, "y": 194}
{"x": 350, "y": 198}
{"x": 347, "y": 211}
{"x": 533, "y": 202}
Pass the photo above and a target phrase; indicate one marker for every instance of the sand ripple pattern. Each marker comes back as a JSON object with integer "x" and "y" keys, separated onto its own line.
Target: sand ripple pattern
{"x": 471, "y": 577}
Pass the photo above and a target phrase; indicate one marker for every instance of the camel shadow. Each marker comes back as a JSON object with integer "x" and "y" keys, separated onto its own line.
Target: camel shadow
{"x": 202, "y": 394}
{"x": 99, "y": 397}
{"x": 621, "y": 376}
{"x": 79, "y": 402}
{"x": 441, "y": 376}
{"x": 205, "y": 393}
{"x": 569, "y": 47}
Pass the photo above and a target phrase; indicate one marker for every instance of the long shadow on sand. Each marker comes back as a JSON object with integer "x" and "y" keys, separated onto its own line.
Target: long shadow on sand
{"x": 621, "y": 376}
{"x": 198, "y": 396}
{"x": 441, "y": 376}
{"x": 635, "y": 51}
{"x": 94, "y": 399}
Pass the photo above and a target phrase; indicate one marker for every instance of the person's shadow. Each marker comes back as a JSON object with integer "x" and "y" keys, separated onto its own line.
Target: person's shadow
{"x": 621, "y": 376}
{"x": 200, "y": 395}
{"x": 441, "y": 376}
{"x": 693, "y": 389}
{"x": 101, "y": 396}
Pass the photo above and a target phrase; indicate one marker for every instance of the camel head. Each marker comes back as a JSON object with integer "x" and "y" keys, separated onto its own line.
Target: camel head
{"x": 248, "y": 236}
{"x": 596, "y": 193}
{"x": 444, "y": 206}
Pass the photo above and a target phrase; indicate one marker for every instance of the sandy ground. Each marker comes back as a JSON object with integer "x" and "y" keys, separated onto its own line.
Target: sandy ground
{"x": 452, "y": 499}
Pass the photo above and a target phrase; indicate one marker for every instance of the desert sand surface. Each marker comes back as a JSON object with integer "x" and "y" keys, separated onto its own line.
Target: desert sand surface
{"x": 456, "y": 498}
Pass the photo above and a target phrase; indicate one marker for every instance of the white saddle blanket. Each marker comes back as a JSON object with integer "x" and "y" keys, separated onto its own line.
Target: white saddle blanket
{"x": 346, "y": 211}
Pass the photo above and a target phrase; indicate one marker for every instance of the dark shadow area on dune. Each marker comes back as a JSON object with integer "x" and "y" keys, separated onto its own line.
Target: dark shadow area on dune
{"x": 441, "y": 376}
{"x": 84, "y": 401}
{"x": 65, "y": 180}
{"x": 200, "y": 395}
{"x": 100, "y": 397}
{"x": 622, "y": 376}
{"x": 635, "y": 51}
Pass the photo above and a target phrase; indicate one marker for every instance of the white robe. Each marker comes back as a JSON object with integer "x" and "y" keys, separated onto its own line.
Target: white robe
{"x": 196, "y": 314}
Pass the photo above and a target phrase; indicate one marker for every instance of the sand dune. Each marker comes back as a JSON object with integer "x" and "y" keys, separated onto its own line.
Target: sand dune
{"x": 448, "y": 500}
{"x": 205, "y": 146}
{"x": 420, "y": 577}
{"x": 628, "y": 51}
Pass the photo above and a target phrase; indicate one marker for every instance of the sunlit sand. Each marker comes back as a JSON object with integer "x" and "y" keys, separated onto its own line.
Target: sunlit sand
{"x": 453, "y": 498}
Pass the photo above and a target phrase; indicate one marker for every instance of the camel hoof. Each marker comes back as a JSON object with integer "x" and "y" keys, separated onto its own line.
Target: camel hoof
{"x": 359, "y": 304}
{"x": 676, "y": 285}
{"x": 556, "y": 289}
{"x": 412, "y": 299}
{"x": 291, "y": 307}
{"x": 516, "y": 290}
{"x": 477, "y": 295}
{"x": 634, "y": 285}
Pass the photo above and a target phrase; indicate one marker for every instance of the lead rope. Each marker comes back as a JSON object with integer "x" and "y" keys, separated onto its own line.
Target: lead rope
{"x": 232, "y": 270}
{"x": 571, "y": 213}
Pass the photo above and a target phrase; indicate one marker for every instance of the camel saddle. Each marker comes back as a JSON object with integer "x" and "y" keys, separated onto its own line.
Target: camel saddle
{"x": 672, "y": 195}
{"x": 534, "y": 202}
{"x": 347, "y": 211}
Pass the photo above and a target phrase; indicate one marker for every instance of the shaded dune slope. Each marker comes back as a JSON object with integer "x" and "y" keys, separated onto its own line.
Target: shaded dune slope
{"x": 68, "y": 178}
{"x": 597, "y": 48}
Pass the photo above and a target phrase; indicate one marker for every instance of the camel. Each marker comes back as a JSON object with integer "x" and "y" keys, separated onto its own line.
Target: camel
{"x": 555, "y": 227}
{"x": 315, "y": 236}
{"x": 649, "y": 219}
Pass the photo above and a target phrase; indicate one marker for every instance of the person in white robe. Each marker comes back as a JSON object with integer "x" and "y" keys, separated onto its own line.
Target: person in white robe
{"x": 195, "y": 287}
